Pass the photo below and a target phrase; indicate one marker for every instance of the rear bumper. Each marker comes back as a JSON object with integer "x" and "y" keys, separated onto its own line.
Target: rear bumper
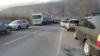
{"x": 94, "y": 50}
{"x": 72, "y": 28}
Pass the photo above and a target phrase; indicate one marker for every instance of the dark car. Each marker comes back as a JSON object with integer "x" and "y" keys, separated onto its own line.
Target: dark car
{"x": 88, "y": 32}
{"x": 4, "y": 28}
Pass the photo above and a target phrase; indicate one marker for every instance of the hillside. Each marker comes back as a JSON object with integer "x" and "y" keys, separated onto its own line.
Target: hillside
{"x": 56, "y": 9}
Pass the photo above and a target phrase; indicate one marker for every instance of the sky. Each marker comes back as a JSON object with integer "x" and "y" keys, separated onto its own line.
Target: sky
{"x": 10, "y": 2}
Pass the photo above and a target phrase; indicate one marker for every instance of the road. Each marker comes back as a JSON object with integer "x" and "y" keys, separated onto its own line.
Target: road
{"x": 47, "y": 40}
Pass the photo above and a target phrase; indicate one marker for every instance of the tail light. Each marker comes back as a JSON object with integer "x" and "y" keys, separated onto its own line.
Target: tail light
{"x": 98, "y": 40}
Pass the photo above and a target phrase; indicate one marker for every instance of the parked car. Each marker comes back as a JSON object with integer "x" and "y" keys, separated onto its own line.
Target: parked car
{"x": 62, "y": 23}
{"x": 19, "y": 24}
{"x": 71, "y": 24}
{"x": 56, "y": 21}
{"x": 88, "y": 32}
{"x": 5, "y": 28}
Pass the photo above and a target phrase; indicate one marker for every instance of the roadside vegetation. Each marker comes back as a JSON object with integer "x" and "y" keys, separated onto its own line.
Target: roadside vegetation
{"x": 62, "y": 9}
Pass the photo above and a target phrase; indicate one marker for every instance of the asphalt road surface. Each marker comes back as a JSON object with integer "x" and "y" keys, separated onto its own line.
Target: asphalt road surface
{"x": 47, "y": 40}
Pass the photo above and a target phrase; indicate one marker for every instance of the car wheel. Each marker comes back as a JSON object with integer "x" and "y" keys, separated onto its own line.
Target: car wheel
{"x": 75, "y": 35}
{"x": 86, "y": 49}
{"x": 27, "y": 27}
{"x": 8, "y": 30}
{"x": 67, "y": 29}
{"x": 19, "y": 28}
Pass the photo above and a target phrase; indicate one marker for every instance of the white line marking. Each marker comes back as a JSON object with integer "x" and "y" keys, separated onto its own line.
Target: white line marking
{"x": 37, "y": 31}
{"x": 59, "y": 45}
{"x": 15, "y": 40}
{"x": 19, "y": 38}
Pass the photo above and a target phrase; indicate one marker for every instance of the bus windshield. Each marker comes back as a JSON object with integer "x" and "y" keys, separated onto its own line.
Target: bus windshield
{"x": 37, "y": 16}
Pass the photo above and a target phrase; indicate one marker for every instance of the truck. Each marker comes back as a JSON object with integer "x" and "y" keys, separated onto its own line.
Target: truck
{"x": 41, "y": 18}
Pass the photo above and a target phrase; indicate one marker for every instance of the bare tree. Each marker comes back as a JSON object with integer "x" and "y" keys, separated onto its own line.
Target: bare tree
{"x": 30, "y": 16}
{"x": 84, "y": 7}
{"x": 69, "y": 14}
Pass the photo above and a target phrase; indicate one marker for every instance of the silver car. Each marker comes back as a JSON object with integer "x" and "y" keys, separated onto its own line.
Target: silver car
{"x": 19, "y": 24}
{"x": 4, "y": 28}
{"x": 72, "y": 23}
{"x": 62, "y": 23}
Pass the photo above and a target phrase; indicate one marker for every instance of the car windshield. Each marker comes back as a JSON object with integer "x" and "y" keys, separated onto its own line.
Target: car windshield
{"x": 74, "y": 21}
{"x": 37, "y": 16}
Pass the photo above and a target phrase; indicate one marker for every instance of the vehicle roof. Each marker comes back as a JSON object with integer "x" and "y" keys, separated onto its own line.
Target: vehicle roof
{"x": 73, "y": 19}
{"x": 38, "y": 14}
{"x": 63, "y": 20}
{"x": 21, "y": 20}
{"x": 90, "y": 17}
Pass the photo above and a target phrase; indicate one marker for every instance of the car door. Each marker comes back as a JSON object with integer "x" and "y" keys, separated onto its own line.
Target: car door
{"x": 78, "y": 29}
{"x": 82, "y": 29}
{"x": 20, "y": 24}
{"x": 2, "y": 26}
{"x": 24, "y": 23}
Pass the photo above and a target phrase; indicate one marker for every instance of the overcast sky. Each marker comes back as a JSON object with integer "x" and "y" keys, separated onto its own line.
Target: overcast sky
{"x": 10, "y": 2}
